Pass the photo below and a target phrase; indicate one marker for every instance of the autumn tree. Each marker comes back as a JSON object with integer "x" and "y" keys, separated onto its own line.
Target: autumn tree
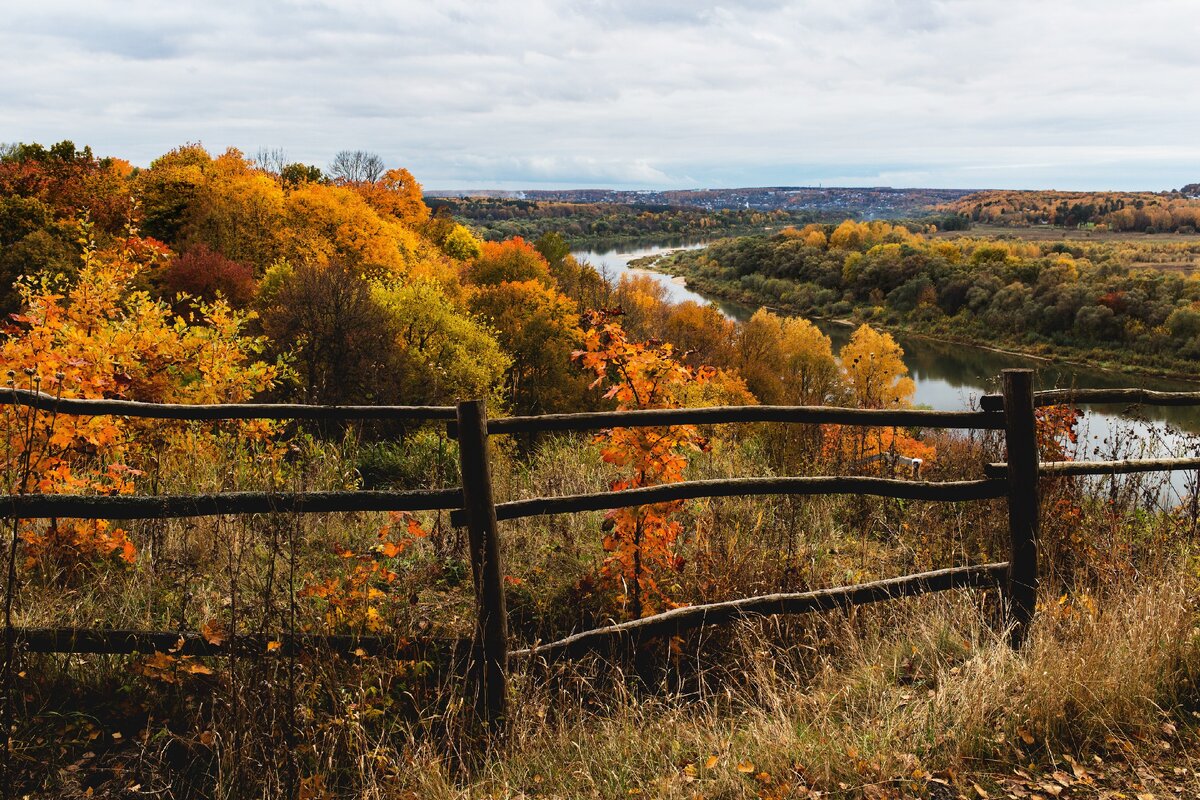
{"x": 642, "y": 542}
{"x": 398, "y": 194}
{"x": 70, "y": 181}
{"x": 874, "y": 371}
{"x": 341, "y": 339}
{"x": 461, "y": 244}
{"x": 553, "y": 247}
{"x": 205, "y": 275}
{"x": 644, "y": 302}
{"x": 702, "y": 333}
{"x": 297, "y": 174}
{"x": 237, "y": 211}
{"x": 99, "y": 337}
{"x": 876, "y": 377}
{"x": 539, "y": 328}
{"x": 169, "y": 188}
{"x": 514, "y": 260}
{"x": 33, "y": 240}
{"x": 328, "y": 224}
{"x": 444, "y": 354}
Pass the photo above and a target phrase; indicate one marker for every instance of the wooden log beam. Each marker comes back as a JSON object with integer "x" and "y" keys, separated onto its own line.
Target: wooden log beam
{"x": 819, "y": 415}
{"x": 678, "y": 619}
{"x": 219, "y": 411}
{"x": 190, "y": 643}
{"x": 950, "y": 491}
{"x": 1080, "y": 397}
{"x": 1145, "y": 397}
{"x": 1073, "y": 468}
{"x": 47, "y": 506}
{"x": 489, "y": 669}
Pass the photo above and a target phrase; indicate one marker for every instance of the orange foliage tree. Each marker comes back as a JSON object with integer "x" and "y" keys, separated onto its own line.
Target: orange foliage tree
{"x": 98, "y": 338}
{"x": 513, "y": 260}
{"x": 642, "y": 542}
{"x": 539, "y": 327}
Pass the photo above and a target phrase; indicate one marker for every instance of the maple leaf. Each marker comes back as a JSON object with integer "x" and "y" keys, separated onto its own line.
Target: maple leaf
{"x": 213, "y": 632}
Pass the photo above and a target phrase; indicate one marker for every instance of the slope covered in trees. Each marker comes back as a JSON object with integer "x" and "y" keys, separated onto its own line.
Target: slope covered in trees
{"x": 586, "y": 223}
{"x": 1142, "y": 212}
{"x": 1058, "y": 298}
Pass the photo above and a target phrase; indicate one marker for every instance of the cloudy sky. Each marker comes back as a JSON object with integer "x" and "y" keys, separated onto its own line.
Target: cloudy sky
{"x": 1071, "y": 94}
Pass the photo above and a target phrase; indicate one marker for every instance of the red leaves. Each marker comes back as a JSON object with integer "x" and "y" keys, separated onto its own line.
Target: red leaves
{"x": 1057, "y": 428}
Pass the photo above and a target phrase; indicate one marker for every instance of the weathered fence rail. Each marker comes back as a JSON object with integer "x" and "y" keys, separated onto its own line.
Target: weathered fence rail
{"x": 717, "y": 415}
{"x": 1077, "y": 397}
{"x": 215, "y": 412}
{"x": 78, "y": 506}
{"x": 126, "y": 642}
{"x": 472, "y": 505}
{"x": 948, "y": 491}
{"x": 680, "y": 619}
{"x": 1123, "y": 467}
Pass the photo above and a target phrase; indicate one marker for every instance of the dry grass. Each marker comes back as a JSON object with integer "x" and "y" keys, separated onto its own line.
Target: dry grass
{"x": 905, "y": 696}
{"x": 894, "y": 700}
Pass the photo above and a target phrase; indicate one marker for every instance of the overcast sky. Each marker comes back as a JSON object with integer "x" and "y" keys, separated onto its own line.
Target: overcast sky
{"x": 1075, "y": 94}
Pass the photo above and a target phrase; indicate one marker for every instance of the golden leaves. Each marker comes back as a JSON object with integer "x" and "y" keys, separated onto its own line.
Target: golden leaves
{"x": 214, "y": 632}
{"x": 103, "y": 338}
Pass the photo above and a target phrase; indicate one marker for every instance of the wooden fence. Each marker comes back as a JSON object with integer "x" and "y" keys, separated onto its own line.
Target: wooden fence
{"x": 472, "y": 505}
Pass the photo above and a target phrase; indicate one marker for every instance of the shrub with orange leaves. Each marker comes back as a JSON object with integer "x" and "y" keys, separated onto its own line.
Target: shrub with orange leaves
{"x": 97, "y": 337}
{"x": 356, "y": 601}
{"x": 1057, "y": 431}
{"x": 642, "y": 542}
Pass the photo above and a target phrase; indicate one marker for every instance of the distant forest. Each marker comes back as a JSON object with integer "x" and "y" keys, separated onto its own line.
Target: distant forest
{"x": 1142, "y": 212}
{"x": 1086, "y": 299}
{"x": 496, "y": 219}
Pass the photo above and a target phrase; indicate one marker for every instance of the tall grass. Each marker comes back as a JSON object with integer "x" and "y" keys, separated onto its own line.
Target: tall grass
{"x": 891, "y": 700}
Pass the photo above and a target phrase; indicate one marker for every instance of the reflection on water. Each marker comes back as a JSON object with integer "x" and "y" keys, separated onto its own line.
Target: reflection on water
{"x": 615, "y": 263}
{"x": 950, "y": 376}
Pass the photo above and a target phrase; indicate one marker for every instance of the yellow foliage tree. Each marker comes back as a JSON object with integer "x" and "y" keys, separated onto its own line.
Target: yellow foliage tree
{"x": 876, "y": 377}
{"x": 100, "y": 338}
{"x": 787, "y": 360}
{"x": 335, "y": 224}
{"x": 874, "y": 370}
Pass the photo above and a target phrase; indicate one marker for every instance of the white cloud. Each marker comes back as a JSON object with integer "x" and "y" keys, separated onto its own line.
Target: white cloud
{"x": 1081, "y": 93}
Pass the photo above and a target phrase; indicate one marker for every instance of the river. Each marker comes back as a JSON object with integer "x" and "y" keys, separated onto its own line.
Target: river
{"x": 951, "y": 376}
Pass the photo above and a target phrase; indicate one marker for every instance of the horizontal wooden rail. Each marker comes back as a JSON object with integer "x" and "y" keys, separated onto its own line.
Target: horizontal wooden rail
{"x": 125, "y": 642}
{"x": 1069, "y": 468}
{"x": 46, "y": 506}
{"x": 1062, "y": 397}
{"x": 1145, "y": 397}
{"x": 824, "y": 415}
{"x": 677, "y": 619}
{"x": 951, "y": 491}
{"x": 183, "y": 411}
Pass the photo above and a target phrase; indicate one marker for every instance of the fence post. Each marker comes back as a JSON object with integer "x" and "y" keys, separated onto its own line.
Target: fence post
{"x": 1020, "y": 439}
{"x": 487, "y": 677}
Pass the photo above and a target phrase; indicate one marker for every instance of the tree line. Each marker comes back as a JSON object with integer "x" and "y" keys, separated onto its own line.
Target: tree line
{"x": 1045, "y": 296}
{"x": 1141, "y": 212}
{"x": 590, "y": 223}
